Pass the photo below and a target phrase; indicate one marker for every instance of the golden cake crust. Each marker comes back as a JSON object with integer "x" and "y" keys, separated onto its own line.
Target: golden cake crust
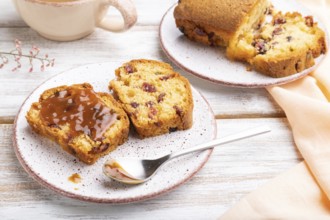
{"x": 226, "y": 15}
{"x": 83, "y": 146}
{"x": 283, "y": 66}
{"x": 157, "y": 99}
{"x": 214, "y": 22}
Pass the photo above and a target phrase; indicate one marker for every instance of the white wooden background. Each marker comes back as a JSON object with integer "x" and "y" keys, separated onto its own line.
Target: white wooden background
{"x": 232, "y": 172}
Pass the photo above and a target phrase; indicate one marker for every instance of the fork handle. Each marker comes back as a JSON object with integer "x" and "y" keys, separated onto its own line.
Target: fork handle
{"x": 217, "y": 142}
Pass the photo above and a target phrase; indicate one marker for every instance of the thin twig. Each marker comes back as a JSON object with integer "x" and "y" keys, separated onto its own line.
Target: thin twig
{"x": 17, "y": 54}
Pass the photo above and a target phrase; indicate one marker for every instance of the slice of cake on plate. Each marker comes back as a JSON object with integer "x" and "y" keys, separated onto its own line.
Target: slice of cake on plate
{"x": 157, "y": 99}
{"x": 86, "y": 124}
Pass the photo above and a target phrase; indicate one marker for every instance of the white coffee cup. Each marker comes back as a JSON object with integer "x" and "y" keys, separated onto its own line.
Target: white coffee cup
{"x": 66, "y": 20}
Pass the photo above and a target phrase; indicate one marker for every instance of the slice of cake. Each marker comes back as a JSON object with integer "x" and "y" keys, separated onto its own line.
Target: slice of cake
{"x": 217, "y": 22}
{"x": 156, "y": 99}
{"x": 287, "y": 45}
{"x": 86, "y": 124}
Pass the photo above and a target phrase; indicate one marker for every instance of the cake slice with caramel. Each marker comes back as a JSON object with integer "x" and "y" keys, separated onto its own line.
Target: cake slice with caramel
{"x": 86, "y": 124}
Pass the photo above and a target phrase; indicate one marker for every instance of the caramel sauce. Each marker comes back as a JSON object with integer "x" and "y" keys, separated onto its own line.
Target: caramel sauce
{"x": 75, "y": 178}
{"x": 81, "y": 109}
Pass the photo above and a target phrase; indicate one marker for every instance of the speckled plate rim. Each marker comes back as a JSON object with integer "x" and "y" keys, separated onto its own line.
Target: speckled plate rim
{"x": 277, "y": 81}
{"x": 127, "y": 200}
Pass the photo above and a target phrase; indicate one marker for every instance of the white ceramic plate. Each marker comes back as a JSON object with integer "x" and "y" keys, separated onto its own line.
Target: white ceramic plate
{"x": 48, "y": 164}
{"x": 210, "y": 63}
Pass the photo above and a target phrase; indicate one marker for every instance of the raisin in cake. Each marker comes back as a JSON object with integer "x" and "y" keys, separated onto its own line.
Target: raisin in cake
{"x": 86, "y": 124}
{"x": 156, "y": 99}
{"x": 217, "y": 22}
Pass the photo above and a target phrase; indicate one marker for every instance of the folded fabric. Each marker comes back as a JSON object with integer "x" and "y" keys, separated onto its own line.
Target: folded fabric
{"x": 300, "y": 193}
{"x": 292, "y": 195}
{"x": 303, "y": 192}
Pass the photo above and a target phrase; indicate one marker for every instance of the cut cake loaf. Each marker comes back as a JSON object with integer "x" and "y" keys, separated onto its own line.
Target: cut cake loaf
{"x": 286, "y": 45}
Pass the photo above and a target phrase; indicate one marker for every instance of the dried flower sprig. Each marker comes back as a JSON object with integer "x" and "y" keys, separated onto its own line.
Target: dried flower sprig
{"x": 17, "y": 55}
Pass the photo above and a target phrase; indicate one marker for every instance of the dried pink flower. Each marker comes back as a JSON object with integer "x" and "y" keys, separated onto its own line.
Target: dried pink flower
{"x": 17, "y": 55}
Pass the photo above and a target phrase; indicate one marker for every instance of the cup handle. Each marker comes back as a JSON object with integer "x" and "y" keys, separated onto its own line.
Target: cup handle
{"x": 127, "y": 10}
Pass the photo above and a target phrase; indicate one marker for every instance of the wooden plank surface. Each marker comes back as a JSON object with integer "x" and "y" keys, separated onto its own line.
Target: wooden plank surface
{"x": 233, "y": 171}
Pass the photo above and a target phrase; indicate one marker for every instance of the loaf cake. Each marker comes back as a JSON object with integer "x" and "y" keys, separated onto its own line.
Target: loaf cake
{"x": 217, "y": 22}
{"x": 86, "y": 124}
{"x": 286, "y": 45}
{"x": 157, "y": 99}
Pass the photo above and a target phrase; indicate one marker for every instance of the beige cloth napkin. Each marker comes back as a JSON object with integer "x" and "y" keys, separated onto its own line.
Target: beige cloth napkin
{"x": 303, "y": 192}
